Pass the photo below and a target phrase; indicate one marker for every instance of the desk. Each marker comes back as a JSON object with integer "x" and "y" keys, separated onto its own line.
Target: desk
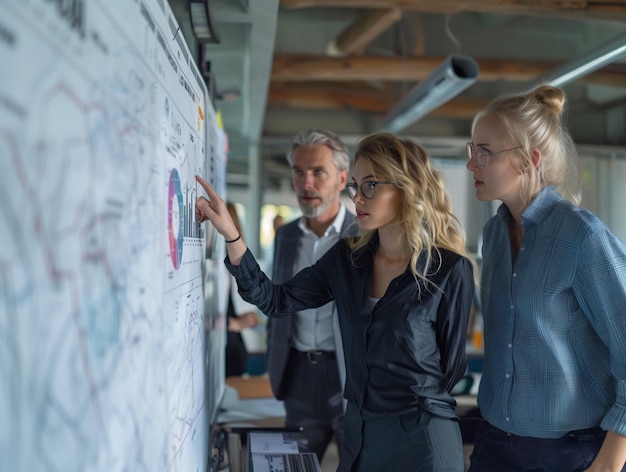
{"x": 251, "y": 387}
{"x": 249, "y": 399}
{"x": 248, "y": 403}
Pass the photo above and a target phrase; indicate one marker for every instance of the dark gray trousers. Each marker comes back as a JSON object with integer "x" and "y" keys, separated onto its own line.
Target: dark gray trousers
{"x": 314, "y": 401}
{"x": 412, "y": 442}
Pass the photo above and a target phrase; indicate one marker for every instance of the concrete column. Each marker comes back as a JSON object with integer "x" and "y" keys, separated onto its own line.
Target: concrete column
{"x": 255, "y": 199}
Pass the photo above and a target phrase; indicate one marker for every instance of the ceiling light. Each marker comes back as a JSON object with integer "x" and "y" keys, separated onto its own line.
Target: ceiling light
{"x": 450, "y": 78}
{"x": 593, "y": 60}
{"x": 202, "y": 21}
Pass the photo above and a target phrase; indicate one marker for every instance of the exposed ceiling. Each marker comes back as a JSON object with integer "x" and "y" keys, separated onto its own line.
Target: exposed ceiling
{"x": 283, "y": 66}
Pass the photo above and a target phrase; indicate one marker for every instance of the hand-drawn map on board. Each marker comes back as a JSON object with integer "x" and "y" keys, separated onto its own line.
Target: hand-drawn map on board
{"x": 104, "y": 121}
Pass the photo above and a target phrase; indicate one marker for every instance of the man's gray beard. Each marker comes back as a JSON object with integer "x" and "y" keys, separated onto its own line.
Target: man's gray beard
{"x": 313, "y": 211}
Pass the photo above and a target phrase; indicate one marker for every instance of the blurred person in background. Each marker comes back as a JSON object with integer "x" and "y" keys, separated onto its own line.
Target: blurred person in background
{"x": 241, "y": 315}
{"x": 304, "y": 351}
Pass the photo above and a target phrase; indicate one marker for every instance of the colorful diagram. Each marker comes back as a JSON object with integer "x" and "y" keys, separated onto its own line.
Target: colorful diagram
{"x": 175, "y": 219}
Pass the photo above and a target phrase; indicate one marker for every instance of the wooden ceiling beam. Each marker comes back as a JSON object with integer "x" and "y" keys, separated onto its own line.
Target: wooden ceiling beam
{"x": 305, "y": 68}
{"x": 362, "y": 99}
{"x": 444, "y": 6}
{"x": 332, "y": 97}
{"x": 613, "y": 10}
{"x": 367, "y": 27}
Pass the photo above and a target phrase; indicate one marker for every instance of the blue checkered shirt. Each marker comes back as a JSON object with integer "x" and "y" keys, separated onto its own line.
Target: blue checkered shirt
{"x": 555, "y": 322}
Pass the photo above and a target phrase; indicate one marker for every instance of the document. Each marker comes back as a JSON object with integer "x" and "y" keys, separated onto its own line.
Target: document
{"x": 280, "y": 452}
{"x": 277, "y": 442}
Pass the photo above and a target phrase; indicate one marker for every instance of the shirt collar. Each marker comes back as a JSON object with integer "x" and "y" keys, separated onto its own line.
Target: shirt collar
{"x": 334, "y": 226}
{"x": 539, "y": 208}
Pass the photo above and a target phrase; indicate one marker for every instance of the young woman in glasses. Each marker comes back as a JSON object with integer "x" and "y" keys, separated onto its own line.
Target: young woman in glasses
{"x": 403, "y": 290}
{"x": 553, "y": 297}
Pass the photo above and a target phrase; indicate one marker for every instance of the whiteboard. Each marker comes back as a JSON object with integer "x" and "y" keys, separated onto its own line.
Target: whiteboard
{"x": 104, "y": 276}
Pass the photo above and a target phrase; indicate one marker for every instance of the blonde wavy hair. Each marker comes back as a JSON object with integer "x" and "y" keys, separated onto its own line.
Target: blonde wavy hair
{"x": 535, "y": 120}
{"x": 426, "y": 213}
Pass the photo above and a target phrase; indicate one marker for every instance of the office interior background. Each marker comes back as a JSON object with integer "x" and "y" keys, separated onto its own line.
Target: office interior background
{"x": 278, "y": 67}
{"x": 112, "y": 297}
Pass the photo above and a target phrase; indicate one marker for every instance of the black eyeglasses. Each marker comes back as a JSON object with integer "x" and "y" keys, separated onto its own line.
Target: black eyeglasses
{"x": 368, "y": 189}
{"x": 482, "y": 155}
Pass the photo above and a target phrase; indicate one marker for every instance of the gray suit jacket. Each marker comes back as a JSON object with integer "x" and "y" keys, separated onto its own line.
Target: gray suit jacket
{"x": 279, "y": 330}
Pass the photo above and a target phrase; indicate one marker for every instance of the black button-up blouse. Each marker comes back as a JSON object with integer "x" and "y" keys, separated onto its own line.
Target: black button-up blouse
{"x": 408, "y": 352}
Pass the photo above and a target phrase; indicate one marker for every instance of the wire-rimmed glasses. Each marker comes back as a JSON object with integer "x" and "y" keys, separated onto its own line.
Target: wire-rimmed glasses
{"x": 482, "y": 155}
{"x": 368, "y": 189}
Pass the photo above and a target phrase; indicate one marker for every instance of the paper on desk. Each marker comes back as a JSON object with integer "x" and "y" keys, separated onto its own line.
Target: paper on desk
{"x": 268, "y": 463}
{"x": 272, "y": 443}
{"x": 234, "y": 409}
{"x": 304, "y": 462}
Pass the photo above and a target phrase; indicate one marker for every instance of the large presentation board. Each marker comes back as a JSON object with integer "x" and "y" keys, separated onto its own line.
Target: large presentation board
{"x": 104, "y": 122}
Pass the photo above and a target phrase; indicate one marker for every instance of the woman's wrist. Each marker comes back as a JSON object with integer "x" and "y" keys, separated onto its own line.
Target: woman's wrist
{"x": 228, "y": 241}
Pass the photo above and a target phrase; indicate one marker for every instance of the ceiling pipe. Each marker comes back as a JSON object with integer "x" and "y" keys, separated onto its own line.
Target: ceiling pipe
{"x": 588, "y": 63}
{"x": 455, "y": 74}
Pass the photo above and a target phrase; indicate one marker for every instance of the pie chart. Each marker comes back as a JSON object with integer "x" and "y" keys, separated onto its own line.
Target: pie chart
{"x": 175, "y": 219}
